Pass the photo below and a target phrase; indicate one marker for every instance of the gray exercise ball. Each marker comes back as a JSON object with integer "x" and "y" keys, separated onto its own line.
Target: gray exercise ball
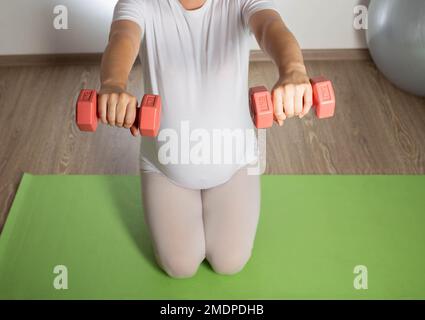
{"x": 396, "y": 40}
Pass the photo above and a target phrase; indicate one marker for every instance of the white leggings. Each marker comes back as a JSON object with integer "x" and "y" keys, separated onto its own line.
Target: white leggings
{"x": 187, "y": 226}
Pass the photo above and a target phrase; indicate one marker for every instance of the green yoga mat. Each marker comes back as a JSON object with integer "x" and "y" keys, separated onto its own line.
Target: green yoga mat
{"x": 313, "y": 232}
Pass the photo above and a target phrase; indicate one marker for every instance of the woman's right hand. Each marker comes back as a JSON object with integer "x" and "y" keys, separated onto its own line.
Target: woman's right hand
{"x": 117, "y": 108}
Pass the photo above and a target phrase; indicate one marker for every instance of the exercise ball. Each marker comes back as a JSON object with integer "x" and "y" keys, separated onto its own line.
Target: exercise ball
{"x": 396, "y": 40}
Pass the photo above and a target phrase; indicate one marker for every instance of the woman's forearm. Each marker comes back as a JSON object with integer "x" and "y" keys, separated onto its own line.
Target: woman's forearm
{"x": 119, "y": 55}
{"x": 278, "y": 42}
{"x": 292, "y": 93}
{"x": 115, "y": 105}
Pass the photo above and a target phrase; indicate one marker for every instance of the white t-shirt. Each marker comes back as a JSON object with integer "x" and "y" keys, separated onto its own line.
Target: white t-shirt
{"x": 197, "y": 61}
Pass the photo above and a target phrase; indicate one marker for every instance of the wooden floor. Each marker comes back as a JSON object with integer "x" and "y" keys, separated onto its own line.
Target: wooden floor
{"x": 378, "y": 129}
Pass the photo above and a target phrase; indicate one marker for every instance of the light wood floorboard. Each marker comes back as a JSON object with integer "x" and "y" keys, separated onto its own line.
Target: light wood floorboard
{"x": 378, "y": 129}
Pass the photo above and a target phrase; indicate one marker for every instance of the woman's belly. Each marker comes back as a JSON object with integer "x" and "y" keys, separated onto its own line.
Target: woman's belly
{"x": 201, "y": 150}
{"x": 206, "y": 132}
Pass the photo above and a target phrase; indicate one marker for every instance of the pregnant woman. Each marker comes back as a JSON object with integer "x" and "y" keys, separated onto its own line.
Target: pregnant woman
{"x": 195, "y": 55}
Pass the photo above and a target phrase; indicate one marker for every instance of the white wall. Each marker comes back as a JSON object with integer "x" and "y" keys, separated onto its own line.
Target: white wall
{"x": 26, "y": 26}
{"x": 323, "y": 24}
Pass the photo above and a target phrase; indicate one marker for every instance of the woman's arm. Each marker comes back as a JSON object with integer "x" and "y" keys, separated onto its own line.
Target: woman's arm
{"x": 116, "y": 106}
{"x": 292, "y": 94}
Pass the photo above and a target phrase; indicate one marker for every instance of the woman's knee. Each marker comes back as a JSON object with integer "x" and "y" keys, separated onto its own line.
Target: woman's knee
{"x": 181, "y": 266}
{"x": 228, "y": 262}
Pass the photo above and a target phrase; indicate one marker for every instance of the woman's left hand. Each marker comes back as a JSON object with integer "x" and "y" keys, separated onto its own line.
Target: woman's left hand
{"x": 292, "y": 96}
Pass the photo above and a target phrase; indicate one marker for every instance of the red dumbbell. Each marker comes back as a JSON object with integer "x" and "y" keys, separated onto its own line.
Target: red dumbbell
{"x": 148, "y": 115}
{"x": 262, "y": 106}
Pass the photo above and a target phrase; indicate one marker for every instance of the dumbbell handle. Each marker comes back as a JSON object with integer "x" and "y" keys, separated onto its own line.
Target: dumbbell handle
{"x": 261, "y": 105}
{"x": 148, "y": 113}
{"x": 91, "y": 97}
